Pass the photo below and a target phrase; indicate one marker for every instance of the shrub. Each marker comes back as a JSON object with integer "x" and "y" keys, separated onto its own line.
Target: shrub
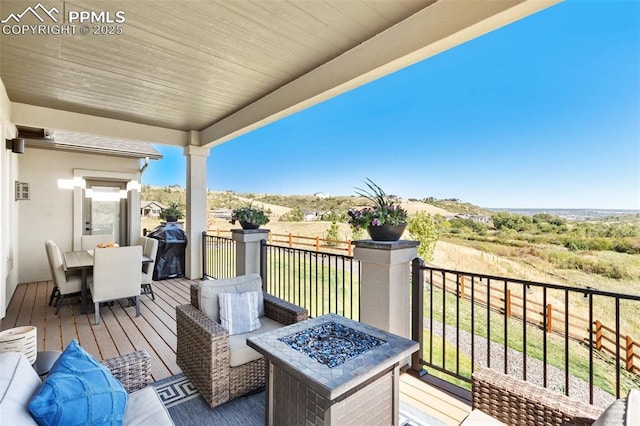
{"x": 332, "y": 234}
{"x": 175, "y": 209}
{"x": 626, "y": 245}
{"x": 294, "y": 215}
{"x": 424, "y": 228}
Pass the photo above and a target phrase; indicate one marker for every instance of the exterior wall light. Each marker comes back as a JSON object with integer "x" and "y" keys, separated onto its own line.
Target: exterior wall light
{"x": 134, "y": 185}
{"x": 76, "y": 182}
{"x": 16, "y": 145}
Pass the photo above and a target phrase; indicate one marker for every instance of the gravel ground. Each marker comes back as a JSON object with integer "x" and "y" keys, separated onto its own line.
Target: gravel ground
{"x": 578, "y": 388}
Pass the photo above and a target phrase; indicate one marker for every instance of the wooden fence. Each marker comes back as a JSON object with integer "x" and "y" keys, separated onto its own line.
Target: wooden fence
{"x": 553, "y": 317}
{"x": 299, "y": 241}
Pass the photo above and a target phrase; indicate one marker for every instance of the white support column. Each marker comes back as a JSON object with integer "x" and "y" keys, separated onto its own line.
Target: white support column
{"x": 196, "y": 215}
{"x": 385, "y": 286}
{"x": 248, "y": 249}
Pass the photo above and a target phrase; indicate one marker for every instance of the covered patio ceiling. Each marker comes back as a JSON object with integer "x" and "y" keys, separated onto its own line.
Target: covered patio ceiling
{"x": 202, "y": 72}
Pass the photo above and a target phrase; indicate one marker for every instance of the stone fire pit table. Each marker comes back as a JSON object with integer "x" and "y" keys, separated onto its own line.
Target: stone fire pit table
{"x": 331, "y": 370}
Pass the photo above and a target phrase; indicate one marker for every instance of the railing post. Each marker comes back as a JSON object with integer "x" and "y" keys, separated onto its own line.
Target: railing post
{"x": 508, "y": 303}
{"x": 248, "y": 249}
{"x": 263, "y": 263}
{"x": 598, "y": 335}
{"x": 385, "y": 293}
{"x": 317, "y": 243}
{"x": 217, "y": 232}
{"x": 349, "y": 248}
{"x": 549, "y": 318}
{"x": 204, "y": 254}
{"x": 629, "y": 353}
{"x": 417, "y": 314}
{"x": 461, "y": 289}
{"x": 290, "y": 240}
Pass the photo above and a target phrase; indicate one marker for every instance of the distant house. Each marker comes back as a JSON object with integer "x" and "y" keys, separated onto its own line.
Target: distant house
{"x": 220, "y": 213}
{"x": 151, "y": 209}
{"x": 478, "y": 218}
{"x": 310, "y": 215}
{"x": 321, "y": 195}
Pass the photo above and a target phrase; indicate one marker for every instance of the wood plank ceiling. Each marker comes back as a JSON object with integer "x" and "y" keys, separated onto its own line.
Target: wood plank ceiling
{"x": 187, "y": 64}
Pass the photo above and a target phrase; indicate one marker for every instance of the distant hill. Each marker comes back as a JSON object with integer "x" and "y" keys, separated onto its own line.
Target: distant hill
{"x": 457, "y": 206}
{"x": 580, "y": 214}
{"x": 337, "y": 203}
{"x": 282, "y": 204}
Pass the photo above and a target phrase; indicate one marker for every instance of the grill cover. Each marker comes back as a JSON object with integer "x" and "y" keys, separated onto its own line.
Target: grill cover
{"x": 172, "y": 244}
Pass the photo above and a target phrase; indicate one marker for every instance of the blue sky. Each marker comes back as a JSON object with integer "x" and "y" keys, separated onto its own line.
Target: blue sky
{"x": 543, "y": 113}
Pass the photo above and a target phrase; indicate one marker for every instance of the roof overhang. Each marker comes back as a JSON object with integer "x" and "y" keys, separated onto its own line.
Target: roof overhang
{"x": 372, "y": 40}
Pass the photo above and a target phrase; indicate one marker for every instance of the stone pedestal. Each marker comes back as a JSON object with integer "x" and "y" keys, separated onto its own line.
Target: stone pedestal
{"x": 385, "y": 285}
{"x": 248, "y": 249}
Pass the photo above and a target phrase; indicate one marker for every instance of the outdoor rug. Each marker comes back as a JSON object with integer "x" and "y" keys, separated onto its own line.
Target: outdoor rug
{"x": 187, "y": 408}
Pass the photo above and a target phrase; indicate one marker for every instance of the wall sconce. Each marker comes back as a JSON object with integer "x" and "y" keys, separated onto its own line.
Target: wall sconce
{"x": 134, "y": 185}
{"x": 16, "y": 145}
{"x": 76, "y": 182}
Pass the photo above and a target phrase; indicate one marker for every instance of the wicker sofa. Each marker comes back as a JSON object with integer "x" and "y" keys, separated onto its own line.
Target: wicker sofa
{"x": 19, "y": 381}
{"x": 205, "y": 350}
{"x": 516, "y": 402}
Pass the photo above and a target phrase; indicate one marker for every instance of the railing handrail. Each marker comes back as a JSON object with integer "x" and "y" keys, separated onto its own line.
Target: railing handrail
{"x": 483, "y": 292}
{"x": 339, "y": 283}
{"x": 224, "y": 265}
{"x": 310, "y": 251}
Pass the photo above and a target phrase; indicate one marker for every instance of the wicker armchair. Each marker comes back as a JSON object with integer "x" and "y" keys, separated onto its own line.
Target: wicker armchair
{"x": 203, "y": 350}
{"x": 516, "y": 402}
{"x": 133, "y": 370}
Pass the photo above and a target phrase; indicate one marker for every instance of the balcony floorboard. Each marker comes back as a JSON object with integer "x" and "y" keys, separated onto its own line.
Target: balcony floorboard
{"x": 121, "y": 332}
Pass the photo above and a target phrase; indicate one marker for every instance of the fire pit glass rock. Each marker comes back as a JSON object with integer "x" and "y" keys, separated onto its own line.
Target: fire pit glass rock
{"x": 331, "y": 343}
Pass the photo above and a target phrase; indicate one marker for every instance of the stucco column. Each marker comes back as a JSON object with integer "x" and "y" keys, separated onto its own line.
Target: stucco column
{"x": 248, "y": 249}
{"x": 385, "y": 287}
{"x": 196, "y": 215}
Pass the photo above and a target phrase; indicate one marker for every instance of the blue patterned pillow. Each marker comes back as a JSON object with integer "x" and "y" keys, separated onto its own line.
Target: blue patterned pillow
{"x": 79, "y": 391}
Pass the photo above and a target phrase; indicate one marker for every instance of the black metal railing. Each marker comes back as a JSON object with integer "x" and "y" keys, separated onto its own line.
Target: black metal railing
{"x": 557, "y": 336}
{"x": 321, "y": 282}
{"x": 218, "y": 257}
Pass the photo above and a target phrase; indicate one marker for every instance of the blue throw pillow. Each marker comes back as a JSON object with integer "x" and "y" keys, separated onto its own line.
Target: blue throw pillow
{"x": 79, "y": 391}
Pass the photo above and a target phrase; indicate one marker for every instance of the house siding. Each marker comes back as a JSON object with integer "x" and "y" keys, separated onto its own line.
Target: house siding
{"x": 8, "y": 207}
{"x": 50, "y": 212}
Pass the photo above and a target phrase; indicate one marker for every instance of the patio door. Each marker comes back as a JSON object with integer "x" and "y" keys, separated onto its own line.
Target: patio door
{"x": 104, "y": 210}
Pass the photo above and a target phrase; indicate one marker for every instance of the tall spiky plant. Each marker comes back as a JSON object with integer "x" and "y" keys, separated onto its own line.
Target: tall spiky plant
{"x": 383, "y": 211}
{"x": 375, "y": 194}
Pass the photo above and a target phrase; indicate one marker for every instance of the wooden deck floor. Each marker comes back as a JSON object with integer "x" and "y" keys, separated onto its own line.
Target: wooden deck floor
{"x": 120, "y": 332}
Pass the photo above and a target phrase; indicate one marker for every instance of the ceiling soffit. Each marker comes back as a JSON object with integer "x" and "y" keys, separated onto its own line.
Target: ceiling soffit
{"x": 224, "y": 67}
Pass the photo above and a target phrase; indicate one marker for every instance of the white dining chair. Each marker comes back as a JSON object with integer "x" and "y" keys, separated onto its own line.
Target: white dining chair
{"x": 116, "y": 275}
{"x": 64, "y": 284}
{"x": 89, "y": 242}
{"x": 149, "y": 249}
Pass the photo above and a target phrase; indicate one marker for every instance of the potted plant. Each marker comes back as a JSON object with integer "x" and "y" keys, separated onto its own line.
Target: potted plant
{"x": 249, "y": 217}
{"x": 384, "y": 220}
{"x": 172, "y": 213}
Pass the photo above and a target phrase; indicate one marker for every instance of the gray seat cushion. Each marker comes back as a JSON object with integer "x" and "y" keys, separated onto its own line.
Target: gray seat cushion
{"x": 622, "y": 412}
{"x": 18, "y": 382}
{"x": 208, "y": 291}
{"x": 240, "y": 353}
{"x": 144, "y": 407}
{"x": 480, "y": 418}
